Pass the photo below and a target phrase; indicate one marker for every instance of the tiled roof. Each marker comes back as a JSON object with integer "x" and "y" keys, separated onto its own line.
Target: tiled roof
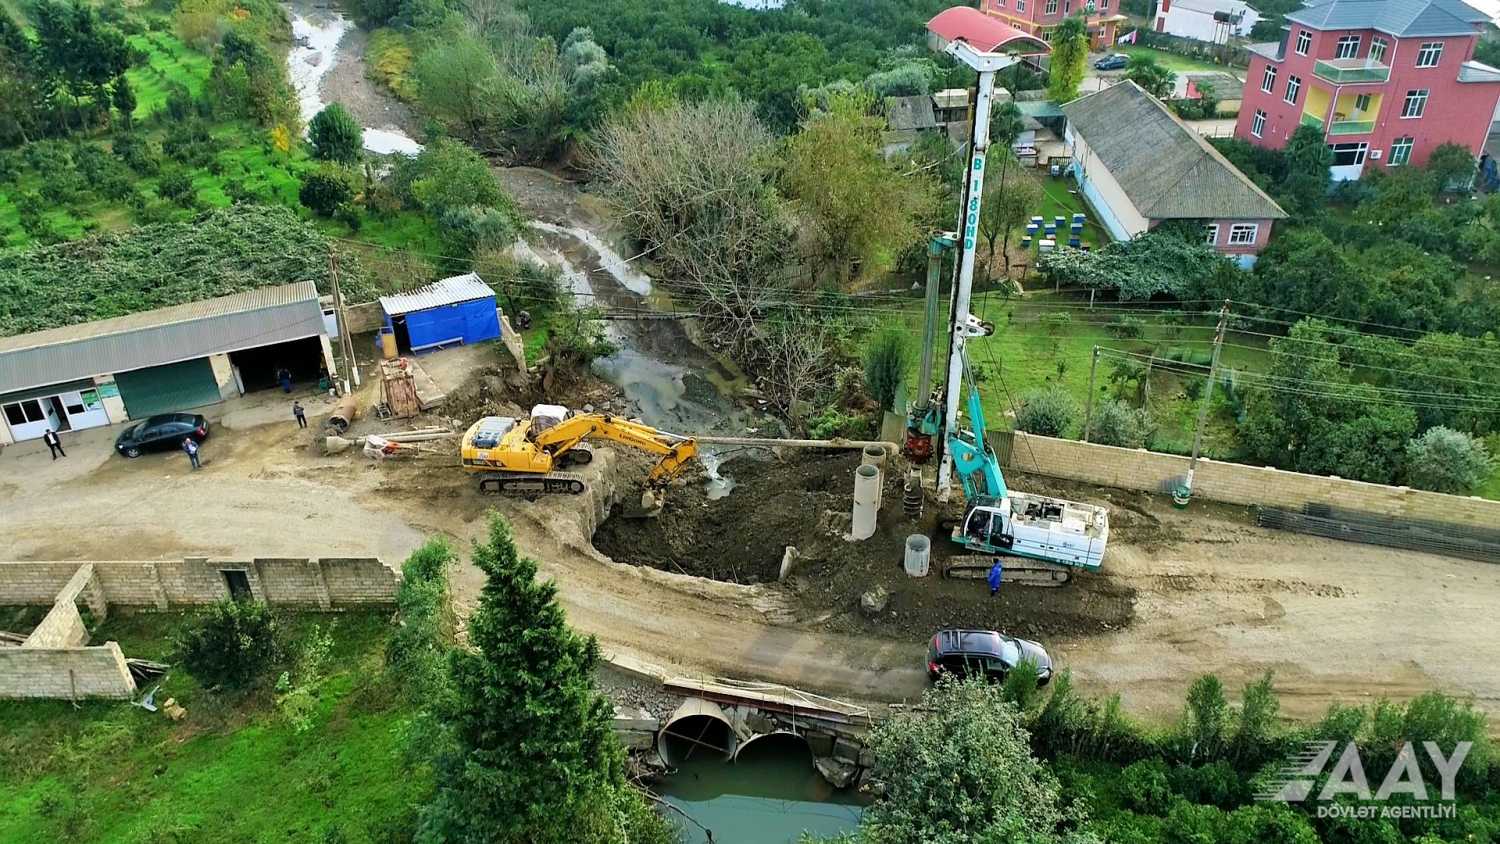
{"x": 1400, "y": 18}
{"x": 1166, "y": 169}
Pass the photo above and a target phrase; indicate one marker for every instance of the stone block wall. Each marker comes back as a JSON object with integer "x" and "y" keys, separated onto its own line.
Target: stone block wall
{"x": 178, "y": 584}
{"x": 1232, "y": 483}
{"x": 66, "y": 673}
{"x": 62, "y": 628}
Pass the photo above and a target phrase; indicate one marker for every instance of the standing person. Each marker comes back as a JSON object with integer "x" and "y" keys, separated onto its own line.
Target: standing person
{"x": 997, "y": 574}
{"x": 192, "y": 450}
{"x": 284, "y": 377}
{"x": 301, "y": 414}
{"x": 54, "y": 442}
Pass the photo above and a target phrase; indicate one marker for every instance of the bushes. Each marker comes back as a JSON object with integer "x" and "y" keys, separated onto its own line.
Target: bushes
{"x": 1145, "y": 786}
{"x": 1047, "y": 412}
{"x": 229, "y": 644}
{"x": 1445, "y": 460}
{"x": 335, "y": 135}
{"x": 1115, "y": 423}
{"x": 323, "y": 191}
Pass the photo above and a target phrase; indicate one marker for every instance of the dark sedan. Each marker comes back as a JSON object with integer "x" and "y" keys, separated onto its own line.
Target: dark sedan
{"x": 984, "y": 653}
{"x": 1113, "y": 61}
{"x": 161, "y": 433}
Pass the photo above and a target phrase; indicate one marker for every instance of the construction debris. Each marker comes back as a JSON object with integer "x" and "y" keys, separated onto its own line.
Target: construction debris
{"x": 408, "y": 389}
{"x": 343, "y": 414}
{"x": 173, "y": 709}
{"x": 144, "y": 670}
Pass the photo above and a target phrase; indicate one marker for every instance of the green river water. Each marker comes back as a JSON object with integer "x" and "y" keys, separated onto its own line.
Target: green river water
{"x": 771, "y": 798}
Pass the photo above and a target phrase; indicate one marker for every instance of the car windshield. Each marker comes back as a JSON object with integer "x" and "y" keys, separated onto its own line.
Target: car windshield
{"x": 1010, "y": 652}
{"x": 133, "y": 430}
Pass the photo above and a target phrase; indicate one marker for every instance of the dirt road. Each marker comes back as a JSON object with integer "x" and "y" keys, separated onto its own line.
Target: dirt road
{"x": 1335, "y": 621}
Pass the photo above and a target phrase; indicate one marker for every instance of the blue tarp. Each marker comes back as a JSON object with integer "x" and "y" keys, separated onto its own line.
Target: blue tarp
{"x": 465, "y": 322}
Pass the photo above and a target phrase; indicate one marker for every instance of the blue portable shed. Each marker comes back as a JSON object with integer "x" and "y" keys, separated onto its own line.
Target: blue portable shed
{"x": 455, "y": 310}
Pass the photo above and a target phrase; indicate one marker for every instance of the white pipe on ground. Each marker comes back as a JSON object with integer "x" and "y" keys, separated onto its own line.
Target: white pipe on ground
{"x": 874, "y": 455}
{"x": 866, "y": 501}
{"x": 890, "y": 448}
{"x": 918, "y": 552}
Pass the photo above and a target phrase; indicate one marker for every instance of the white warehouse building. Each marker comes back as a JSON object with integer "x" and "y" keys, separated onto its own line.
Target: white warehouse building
{"x": 162, "y": 361}
{"x": 1213, "y": 21}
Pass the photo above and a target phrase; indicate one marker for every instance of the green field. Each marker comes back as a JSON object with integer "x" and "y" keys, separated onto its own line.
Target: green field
{"x": 233, "y": 770}
{"x": 1172, "y": 61}
{"x": 169, "y": 63}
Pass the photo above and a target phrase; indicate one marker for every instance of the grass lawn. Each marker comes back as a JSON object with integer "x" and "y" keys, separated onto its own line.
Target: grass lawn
{"x": 234, "y": 770}
{"x": 1172, "y": 61}
{"x": 1060, "y": 197}
{"x": 1028, "y": 353}
{"x": 169, "y": 62}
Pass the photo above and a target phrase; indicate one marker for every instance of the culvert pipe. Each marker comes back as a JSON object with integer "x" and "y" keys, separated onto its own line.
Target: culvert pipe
{"x": 765, "y": 742}
{"x": 918, "y": 554}
{"x": 874, "y": 455}
{"x": 768, "y": 442}
{"x": 866, "y": 501}
{"x": 697, "y": 727}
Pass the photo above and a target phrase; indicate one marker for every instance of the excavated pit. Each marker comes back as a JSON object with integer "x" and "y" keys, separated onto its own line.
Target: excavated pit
{"x": 804, "y": 500}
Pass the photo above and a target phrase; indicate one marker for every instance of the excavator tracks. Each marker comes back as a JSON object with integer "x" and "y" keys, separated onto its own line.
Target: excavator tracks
{"x": 1018, "y": 570}
{"x": 531, "y": 486}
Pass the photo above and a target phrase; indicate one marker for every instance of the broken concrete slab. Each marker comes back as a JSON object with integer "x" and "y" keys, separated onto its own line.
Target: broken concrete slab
{"x": 839, "y": 774}
{"x": 874, "y": 602}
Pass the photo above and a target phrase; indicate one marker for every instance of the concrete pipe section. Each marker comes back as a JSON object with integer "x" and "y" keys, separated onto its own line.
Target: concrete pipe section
{"x": 866, "y": 501}
{"x": 781, "y": 744}
{"x": 874, "y": 455}
{"x": 918, "y": 553}
{"x": 698, "y": 727}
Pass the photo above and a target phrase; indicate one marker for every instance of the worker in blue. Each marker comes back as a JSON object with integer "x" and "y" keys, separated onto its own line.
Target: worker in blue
{"x": 997, "y": 573}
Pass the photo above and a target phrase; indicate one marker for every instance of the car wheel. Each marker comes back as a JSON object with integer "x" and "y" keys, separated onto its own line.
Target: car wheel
{"x": 132, "y": 452}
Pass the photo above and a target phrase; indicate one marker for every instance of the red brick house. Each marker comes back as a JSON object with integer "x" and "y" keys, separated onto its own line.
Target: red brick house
{"x": 1386, "y": 81}
{"x": 1040, "y": 17}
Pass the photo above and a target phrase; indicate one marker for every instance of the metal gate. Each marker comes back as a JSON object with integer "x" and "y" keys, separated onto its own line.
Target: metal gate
{"x": 168, "y": 388}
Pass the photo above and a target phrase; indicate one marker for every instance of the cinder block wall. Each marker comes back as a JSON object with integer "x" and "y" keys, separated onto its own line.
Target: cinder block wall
{"x": 65, "y": 673}
{"x": 1233, "y": 483}
{"x": 176, "y": 584}
{"x": 62, "y": 628}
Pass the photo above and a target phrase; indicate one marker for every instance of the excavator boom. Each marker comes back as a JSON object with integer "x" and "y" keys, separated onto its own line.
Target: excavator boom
{"x": 675, "y": 451}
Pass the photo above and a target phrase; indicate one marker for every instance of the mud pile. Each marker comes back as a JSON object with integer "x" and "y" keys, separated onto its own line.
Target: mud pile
{"x": 804, "y": 501}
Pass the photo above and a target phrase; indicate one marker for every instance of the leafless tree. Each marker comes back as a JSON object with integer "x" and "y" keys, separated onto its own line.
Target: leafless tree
{"x": 692, "y": 182}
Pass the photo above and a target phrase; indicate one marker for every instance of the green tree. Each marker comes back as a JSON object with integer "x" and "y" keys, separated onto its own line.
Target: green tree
{"x": 1452, "y": 166}
{"x": 324, "y": 190}
{"x": 1445, "y": 460}
{"x": 20, "y": 83}
{"x": 448, "y": 174}
{"x": 1307, "y": 156}
{"x": 536, "y": 759}
{"x": 79, "y": 51}
{"x": 124, "y": 101}
{"x": 335, "y": 135}
{"x": 1116, "y": 424}
{"x": 458, "y": 80}
{"x": 1011, "y": 195}
{"x": 1153, "y": 78}
{"x": 886, "y": 361}
{"x": 1047, "y": 412}
{"x": 859, "y": 207}
{"x": 960, "y": 770}
{"x": 1070, "y": 55}
{"x": 230, "y": 643}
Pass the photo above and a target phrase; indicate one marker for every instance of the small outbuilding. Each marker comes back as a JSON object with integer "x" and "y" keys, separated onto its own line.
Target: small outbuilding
{"x": 454, "y": 311}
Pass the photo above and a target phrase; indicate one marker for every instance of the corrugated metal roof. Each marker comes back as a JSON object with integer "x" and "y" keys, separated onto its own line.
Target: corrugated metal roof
{"x": 166, "y": 335}
{"x": 449, "y": 291}
{"x": 1396, "y": 17}
{"x": 1168, "y": 171}
{"x": 1475, "y": 71}
{"x": 910, "y": 113}
{"x": 1039, "y": 109}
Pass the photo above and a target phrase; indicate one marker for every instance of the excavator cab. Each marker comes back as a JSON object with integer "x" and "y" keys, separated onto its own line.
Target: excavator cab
{"x": 987, "y": 524}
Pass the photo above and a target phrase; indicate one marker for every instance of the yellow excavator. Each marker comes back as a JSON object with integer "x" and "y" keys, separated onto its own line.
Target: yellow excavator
{"x": 519, "y": 456}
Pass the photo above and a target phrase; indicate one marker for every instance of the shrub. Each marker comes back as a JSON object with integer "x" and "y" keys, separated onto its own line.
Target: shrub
{"x": 1047, "y": 412}
{"x": 1445, "y": 460}
{"x": 175, "y": 185}
{"x": 138, "y": 153}
{"x": 1215, "y": 784}
{"x": 1115, "y": 423}
{"x": 1020, "y": 686}
{"x": 885, "y": 366}
{"x": 323, "y": 191}
{"x": 1145, "y": 787}
{"x": 1191, "y": 824}
{"x": 1127, "y": 327}
{"x": 1206, "y": 719}
{"x": 335, "y": 135}
{"x": 229, "y": 644}
{"x": 1269, "y": 824}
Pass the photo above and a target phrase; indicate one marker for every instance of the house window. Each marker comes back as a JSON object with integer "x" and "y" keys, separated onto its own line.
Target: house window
{"x": 1345, "y": 155}
{"x": 1268, "y": 80}
{"x": 1258, "y": 124}
{"x": 1051, "y": 7}
{"x": 1377, "y": 50}
{"x": 1020, "y": 5}
{"x": 1362, "y": 103}
{"x": 999, "y": 4}
{"x": 1211, "y": 234}
{"x": 22, "y": 412}
{"x": 1416, "y": 103}
{"x": 1348, "y": 47}
{"x": 1304, "y": 42}
{"x": 1243, "y": 234}
{"x": 1400, "y": 152}
{"x": 1102, "y": 5}
{"x": 1293, "y": 88}
{"x": 1429, "y": 54}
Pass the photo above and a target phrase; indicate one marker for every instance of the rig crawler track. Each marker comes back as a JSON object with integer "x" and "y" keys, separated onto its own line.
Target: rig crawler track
{"x": 1018, "y": 570}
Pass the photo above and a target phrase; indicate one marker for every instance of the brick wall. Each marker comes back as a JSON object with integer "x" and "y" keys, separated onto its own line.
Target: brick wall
{"x": 173, "y": 584}
{"x": 65, "y": 673}
{"x": 1233, "y": 483}
{"x": 61, "y": 628}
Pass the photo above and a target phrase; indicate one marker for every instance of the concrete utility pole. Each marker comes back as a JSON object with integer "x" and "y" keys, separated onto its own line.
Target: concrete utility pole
{"x": 1088, "y": 404}
{"x": 1208, "y": 393}
{"x": 346, "y": 343}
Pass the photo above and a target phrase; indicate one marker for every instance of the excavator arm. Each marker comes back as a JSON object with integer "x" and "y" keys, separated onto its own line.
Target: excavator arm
{"x": 972, "y": 456}
{"x": 676, "y": 451}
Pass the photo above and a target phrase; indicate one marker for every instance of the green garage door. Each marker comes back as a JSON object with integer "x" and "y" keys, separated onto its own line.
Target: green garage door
{"x": 167, "y": 389}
